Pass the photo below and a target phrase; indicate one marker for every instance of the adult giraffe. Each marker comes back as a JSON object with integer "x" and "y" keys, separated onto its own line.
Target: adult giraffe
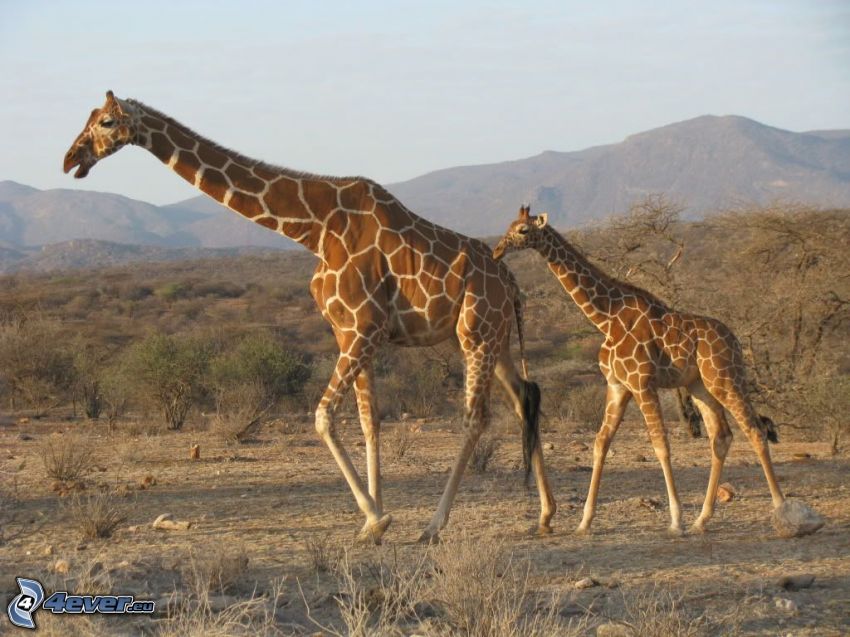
{"x": 649, "y": 346}
{"x": 384, "y": 274}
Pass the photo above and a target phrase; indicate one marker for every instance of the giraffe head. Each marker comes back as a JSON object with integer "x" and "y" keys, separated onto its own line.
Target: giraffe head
{"x": 524, "y": 232}
{"x": 108, "y": 129}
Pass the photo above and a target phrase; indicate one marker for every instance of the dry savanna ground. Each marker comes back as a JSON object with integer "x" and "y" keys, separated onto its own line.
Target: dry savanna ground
{"x": 270, "y": 547}
{"x": 108, "y": 377}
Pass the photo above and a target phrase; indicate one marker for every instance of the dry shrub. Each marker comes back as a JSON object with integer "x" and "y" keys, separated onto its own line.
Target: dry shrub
{"x": 660, "y": 611}
{"x": 463, "y": 588}
{"x": 66, "y": 457}
{"x": 399, "y": 442}
{"x": 583, "y": 405}
{"x": 325, "y": 555}
{"x": 380, "y": 597}
{"x": 9, "y": 503}
{"x": 198, "y": 613}
{"x": 238, "y": 413}
{"x": 216, "y": 571}
{"x": 483, "y": 453}
{"x": 483, "y": 590}
{"x": 96, "y": 515}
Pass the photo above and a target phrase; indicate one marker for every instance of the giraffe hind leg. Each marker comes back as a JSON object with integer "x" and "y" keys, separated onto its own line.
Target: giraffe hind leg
{"x": 719, "y": 440}
{"x": 512, "y": 383}
{"x": 479, "y": 372}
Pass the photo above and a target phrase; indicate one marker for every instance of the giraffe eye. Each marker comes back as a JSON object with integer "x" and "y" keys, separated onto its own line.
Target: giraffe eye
{"x": 522, "y": 230}
{"x": 107, "y": 123}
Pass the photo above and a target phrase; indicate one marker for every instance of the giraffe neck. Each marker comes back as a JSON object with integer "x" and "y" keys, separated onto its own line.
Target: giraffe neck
{"x": 588, "y": 286}
{"x": 276, "y": 198}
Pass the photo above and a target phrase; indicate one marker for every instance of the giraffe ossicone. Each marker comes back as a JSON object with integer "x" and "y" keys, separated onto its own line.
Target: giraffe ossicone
{"x": 649, "y": 346}
{"x": 383, "y": 275}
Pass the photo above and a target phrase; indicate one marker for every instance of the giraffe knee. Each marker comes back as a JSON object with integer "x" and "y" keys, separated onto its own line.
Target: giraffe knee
{"x": 722, "y": 442}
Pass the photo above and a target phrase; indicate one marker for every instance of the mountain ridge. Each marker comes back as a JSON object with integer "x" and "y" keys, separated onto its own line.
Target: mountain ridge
{"x": 706, "y": 163}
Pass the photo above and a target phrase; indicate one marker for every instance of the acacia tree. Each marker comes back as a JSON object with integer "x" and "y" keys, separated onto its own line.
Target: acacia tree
{"x": 789, "y": 296}
{"x": 646, "y": 246}
{"x": 173, "y": 370}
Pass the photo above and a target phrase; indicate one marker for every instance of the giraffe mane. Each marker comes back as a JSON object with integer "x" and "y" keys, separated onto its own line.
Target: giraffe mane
{"x": 289, "y": 172}
{"x": 583, "y": 260}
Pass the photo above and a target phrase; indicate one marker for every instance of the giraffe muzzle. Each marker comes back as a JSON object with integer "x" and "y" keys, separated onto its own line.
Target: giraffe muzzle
{"x": 72, "y": 160}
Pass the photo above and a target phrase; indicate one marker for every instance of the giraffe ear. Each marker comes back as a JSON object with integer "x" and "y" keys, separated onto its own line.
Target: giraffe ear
{"x": 541, "y": 220}
{"x": 112, "y": 104}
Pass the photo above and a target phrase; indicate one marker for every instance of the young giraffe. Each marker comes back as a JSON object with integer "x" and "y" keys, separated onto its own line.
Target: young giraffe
{"x": 649, "y": 346}
{"x": 384, "y": 275}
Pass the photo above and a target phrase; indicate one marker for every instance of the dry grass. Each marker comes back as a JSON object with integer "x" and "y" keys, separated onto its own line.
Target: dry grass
{"x": 483, "y": 453}
{"x": 66, "y": 458}
{"x": 324, "y": 553}
{"x": 483, "y": 589}
{"x": 96, "y": 515}
{"x": 217, "y": 571}
{"x": 583, "y": 405}
{"x": 399, "y": 442}
{"x": 456, "y": 589}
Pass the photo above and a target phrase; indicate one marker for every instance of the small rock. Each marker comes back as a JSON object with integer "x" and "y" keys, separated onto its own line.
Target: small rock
{"x": 725, "y": 492}
{"x": 47, "y": 550}
{"x": 62, "y": 566}
{"x": 794, "y": 519}
{"x": 640, "y": 458}
{"x": 586, "y": 582}
{"x": 549, "y": 446}
{"x": 23, "y": 421}
{"x": 788, "y": 605}
{"x": 577, "y": 445}
{"x": 802, "y": 455}
{"x": 24, "y": 437}
{"x": 166, "y": 522}
{"x": 613, "y": 630}
{"x": 195, "y": 452}
{"x": 796, "y": 582}
{"x": 147, "y": 481}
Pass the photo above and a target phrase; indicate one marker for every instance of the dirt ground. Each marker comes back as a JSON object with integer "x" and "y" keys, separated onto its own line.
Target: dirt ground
{"x": 274, "y": 499}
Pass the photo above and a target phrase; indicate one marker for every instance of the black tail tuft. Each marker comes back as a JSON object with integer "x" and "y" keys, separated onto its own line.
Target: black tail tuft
{"x": 769, "y": 428}
{"x": 530, "y": 423}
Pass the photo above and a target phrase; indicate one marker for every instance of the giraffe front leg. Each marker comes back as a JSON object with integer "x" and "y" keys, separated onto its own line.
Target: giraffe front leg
{"x": 348, "y": 366}
{"x": 371, "y": 425}
{"x": 615, "y": 406}
{"x": 647, "y": 400}
{"x": 719, "y": 440}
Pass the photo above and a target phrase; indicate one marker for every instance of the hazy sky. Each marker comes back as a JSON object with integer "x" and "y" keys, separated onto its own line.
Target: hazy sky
{"x": 392, "y": 90}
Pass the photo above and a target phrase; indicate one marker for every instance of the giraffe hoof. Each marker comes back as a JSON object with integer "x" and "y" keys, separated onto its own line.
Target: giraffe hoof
{"x": 675, "y": 531}
{"x": 544, "y": 529}
{"x": 697, "y": 527}
{"x": 429, "y": 537}
{"x": 374, "y": 532}
{"x": 582, "y": 530}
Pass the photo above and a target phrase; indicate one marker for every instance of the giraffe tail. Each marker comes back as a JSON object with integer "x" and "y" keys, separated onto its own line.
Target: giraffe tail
{"x": 769, "y": 428}
{"x": 520, "y": 331}
{"x": 530, "y": 397}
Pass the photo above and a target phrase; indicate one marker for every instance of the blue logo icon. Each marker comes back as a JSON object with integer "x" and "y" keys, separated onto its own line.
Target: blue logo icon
{"x": 22, "y": 607}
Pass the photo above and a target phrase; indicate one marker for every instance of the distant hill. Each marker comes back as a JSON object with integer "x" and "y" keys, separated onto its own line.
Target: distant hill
{"x": 706, "y": 163}
{"x": 31, "y": 217}
{"x": 92, "y": 253}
